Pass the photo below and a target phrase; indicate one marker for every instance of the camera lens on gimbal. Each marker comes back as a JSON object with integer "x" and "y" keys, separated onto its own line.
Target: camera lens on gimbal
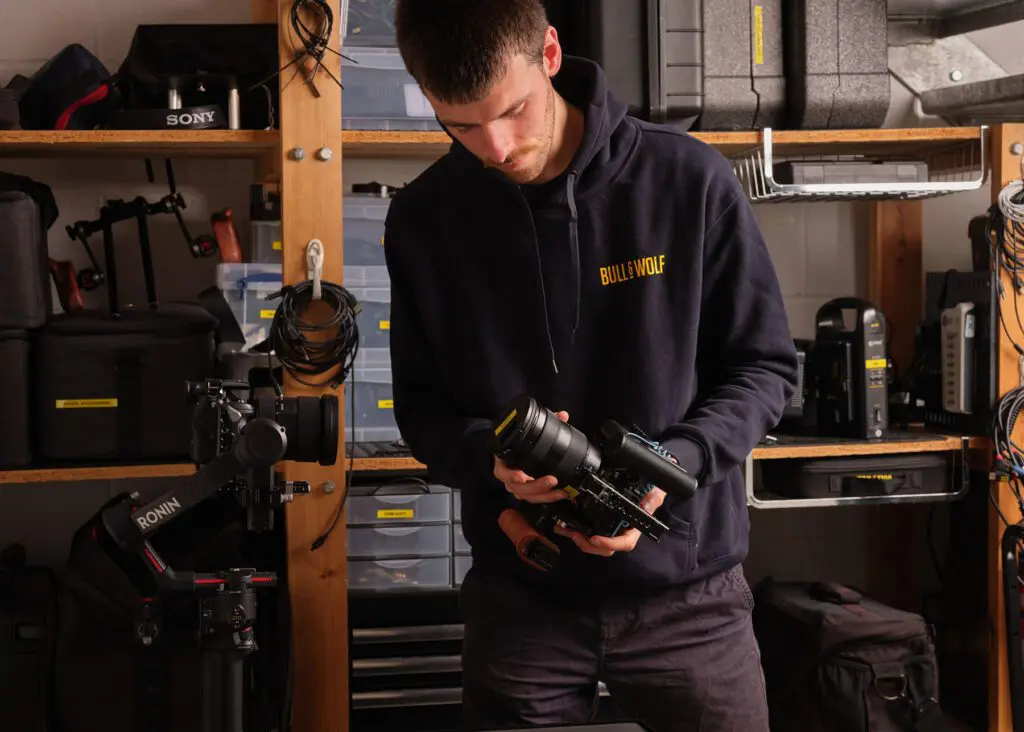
{"x": 533, "y": 439}
{"x": 311, "y": 424}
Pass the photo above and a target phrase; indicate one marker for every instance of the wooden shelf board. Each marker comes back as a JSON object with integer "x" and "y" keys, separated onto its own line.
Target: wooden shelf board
{"x": 157, "y": 143}
{"x": 99, "y": 472}
{"x": 909, "y": 142}
{"x": 908, "y": 442}
{"x": 387, "y": 465}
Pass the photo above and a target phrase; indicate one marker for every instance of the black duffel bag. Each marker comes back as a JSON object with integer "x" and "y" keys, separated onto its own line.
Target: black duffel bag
{"x": 836, "y": 661}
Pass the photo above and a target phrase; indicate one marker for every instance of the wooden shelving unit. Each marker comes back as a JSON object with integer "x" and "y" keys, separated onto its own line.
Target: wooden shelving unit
{"x": 133, "y": 143}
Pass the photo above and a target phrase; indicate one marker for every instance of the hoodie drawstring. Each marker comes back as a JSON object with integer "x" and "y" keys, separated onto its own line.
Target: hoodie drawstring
{"x": 574, "y": 244}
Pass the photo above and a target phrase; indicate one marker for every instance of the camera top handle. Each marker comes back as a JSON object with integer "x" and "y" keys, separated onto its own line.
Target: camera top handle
{"x": 261, "y": 444}
{"x": 625, "y": 450}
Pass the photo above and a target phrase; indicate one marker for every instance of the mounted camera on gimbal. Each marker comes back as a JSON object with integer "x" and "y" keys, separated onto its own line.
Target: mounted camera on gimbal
{"x": 605, "y": 481}
{"x": 236, "y": 444}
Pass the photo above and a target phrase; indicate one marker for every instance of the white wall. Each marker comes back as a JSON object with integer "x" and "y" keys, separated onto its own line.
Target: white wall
{"x": 819, "y": 251}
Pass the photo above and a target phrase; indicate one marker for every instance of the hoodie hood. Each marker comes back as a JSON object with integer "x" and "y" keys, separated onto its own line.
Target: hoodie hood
{"x": 598, "y": 159}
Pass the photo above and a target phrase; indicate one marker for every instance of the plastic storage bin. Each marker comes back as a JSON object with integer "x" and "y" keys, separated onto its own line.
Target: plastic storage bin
{"x": 460, "y": 566}
{"x": 265, "y": 247}
{"x": 432, "y": 573}
{"x": 398, "y": 542}
{"x": 370, "y": 23}
{"x": 246, "y": 287}
{"x": 393, "y": 504}
{"x": 365, "y": 265}
{"x": 374, "y": 321}
{"x": 374, "y": 415}
{"x": 380, "y": 94}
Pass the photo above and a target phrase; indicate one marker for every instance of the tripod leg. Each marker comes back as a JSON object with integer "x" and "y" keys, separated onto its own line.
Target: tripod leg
{"x": 234, "y": 687}
{"x": 213, "y": 692}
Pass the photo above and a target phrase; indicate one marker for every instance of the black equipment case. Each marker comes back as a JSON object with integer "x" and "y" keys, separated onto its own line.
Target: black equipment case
{"x": 710, "y": 64}
{"x": 15, "y": 400}
{"x": 27, "y": 211}
{"x": 876, "y": 475}
{"x": 110, "y": 384}
{"x": 836, "y": 660}
{"x": 28, "y": 619}
{"x": 836, "y": 63}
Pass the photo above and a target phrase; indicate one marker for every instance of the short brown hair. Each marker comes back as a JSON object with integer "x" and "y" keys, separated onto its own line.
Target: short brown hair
{"x": 456, "y": 49}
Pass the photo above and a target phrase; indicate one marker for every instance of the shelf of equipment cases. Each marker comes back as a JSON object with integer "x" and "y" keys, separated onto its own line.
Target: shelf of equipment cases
{"x": 60, "y": 474}
{"x": 946, "y": 146}
{"x": 901, "y": 443}
{"x": 895, "y": 444}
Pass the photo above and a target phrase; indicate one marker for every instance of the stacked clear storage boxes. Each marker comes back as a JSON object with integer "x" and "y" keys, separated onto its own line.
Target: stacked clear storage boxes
{"x": 399, "y": 537}
{"x": 366, "y": 277}
{"x": 378, "y": 93}
{"x": 461, "y": 561}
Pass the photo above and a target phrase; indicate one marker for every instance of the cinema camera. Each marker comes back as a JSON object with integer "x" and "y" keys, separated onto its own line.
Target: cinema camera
{"x": 236, "y": 444}
{"x": 605, "y": 481}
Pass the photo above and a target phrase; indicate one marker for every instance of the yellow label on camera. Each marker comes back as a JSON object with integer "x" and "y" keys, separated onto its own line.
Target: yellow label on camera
{"x": 385, "y": 404}
{"x": 267, "y": 314}
{"x": 876, "y": 363}
{"x": 396, "y": 513}
{"x": 86, "y": 404}
{"x": 385, "y": 325}
{"x": 572, "y": 492}
{"x": 505, "y": 422}
{"x": 277, "y": 246}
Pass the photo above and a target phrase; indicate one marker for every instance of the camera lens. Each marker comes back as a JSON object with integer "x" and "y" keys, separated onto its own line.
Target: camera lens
{"x": 311, "y": 424}
{"x": 533, "y": 439}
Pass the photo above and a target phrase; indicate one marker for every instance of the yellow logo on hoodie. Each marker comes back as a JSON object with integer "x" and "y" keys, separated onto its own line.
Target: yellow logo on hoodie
{"x": 613, "y": 274}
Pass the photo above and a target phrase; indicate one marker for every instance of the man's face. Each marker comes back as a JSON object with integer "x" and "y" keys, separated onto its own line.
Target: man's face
{"x": 512, "y": 127}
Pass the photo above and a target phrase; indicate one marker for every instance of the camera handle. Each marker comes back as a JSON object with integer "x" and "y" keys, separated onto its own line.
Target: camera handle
{"x": 227, "y": 598}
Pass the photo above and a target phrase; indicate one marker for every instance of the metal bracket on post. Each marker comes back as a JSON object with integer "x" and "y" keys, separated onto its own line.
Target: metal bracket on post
{"x": 315, "y": 266}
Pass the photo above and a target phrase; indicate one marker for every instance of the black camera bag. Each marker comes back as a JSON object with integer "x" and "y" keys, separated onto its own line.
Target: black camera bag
{"x": 836, "y": 661}
{"x": 27, "y": 211}
{"x": 110, "y": 384}
{"x": 71, "y": 91}
{"x": 28, "y": 620}
{"x": 15, "y": 400}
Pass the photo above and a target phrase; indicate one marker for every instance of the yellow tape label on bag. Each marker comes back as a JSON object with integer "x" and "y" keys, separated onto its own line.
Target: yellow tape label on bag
{"x": 86, "y": 404}
{"x": 385, "y": 325}
{"x": 396, "y": 513}
{"x": 267, "y": 314}
{"x": 385, "y": 404}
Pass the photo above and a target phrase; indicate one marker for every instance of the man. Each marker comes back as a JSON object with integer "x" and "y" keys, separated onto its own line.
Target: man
{"x": 609, "y": 268}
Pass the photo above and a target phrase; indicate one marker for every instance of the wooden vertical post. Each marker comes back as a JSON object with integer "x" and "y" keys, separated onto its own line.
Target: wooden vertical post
{"x": 311, "y": 198}
{"x": 1005, "y": 168}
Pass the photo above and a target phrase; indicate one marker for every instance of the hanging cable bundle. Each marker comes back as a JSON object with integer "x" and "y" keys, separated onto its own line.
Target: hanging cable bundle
{"x": 313, "y": 349}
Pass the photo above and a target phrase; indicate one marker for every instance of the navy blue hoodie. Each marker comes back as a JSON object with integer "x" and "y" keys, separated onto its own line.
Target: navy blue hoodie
{"x": 636, "y": 286}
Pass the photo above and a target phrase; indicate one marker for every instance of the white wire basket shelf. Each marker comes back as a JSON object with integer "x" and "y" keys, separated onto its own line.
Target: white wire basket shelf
{"x": 860, "y": 171}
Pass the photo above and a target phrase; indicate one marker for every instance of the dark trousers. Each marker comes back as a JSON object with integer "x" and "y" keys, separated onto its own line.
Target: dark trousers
{"x": 682, "y": 661}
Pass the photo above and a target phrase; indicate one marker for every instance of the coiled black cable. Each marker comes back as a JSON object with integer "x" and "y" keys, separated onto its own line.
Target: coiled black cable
{"x": 307, "y": 349}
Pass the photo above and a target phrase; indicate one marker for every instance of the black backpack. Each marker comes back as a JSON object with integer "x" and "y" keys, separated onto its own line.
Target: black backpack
{"x": 836, "y": 661}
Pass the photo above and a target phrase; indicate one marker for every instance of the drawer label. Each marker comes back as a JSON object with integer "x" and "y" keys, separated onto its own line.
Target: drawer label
{"x": 395, "y": 513}
{"x": 385, "y": 404}
{"x": 758, "y": 35}
{"x": 276, "y": 246}
{"x": 86, "y": 403}
{"x": 267, "y": 314}
{"x": 876, "y": 363}
{"x": 385, "y": 325}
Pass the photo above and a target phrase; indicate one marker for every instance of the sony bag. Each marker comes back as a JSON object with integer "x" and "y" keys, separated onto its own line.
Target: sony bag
{"x": 836, "y": 661}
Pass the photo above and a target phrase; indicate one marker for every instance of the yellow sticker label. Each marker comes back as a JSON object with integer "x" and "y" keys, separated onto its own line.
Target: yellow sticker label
{"x": 385, "y": 404}
{"x": 277, "y": 246}
{"x": 875, "y": 363}
{"x": 382, "y": 240}
{"x": 395, "y": 513}
{"x": 267, "y": 314}
{"x": 86, "y": 404}
{"x": 505, "y": 422}
{"x": 758, "y": 35}
{"x": 385, "y": 325}
{"x": 571, "y": 491}
{"x": 875, "y": 476}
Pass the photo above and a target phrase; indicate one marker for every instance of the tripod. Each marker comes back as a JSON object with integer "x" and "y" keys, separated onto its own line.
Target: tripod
{"x": 226, "y": 638}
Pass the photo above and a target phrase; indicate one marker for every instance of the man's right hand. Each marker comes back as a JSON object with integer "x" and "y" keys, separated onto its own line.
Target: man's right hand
{"x": 527, "y": 488}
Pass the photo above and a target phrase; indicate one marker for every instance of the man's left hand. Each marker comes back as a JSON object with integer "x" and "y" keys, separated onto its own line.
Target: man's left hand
{"x": 605, "y": 546}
